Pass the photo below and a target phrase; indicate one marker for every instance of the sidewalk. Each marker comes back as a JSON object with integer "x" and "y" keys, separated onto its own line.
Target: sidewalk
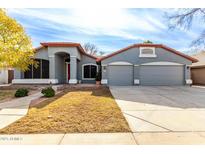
{"x": 5, "y": 85}
{"x": 140, "y": 138}
{"x": 15, "y": 109}
{"x": 72, "y": 139}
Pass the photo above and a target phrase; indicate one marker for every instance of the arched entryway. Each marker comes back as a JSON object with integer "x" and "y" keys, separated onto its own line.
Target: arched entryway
{"x": 62, "y": 67}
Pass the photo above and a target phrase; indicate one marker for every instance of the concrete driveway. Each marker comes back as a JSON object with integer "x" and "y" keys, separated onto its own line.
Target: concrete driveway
{"x": 165, "y": 114}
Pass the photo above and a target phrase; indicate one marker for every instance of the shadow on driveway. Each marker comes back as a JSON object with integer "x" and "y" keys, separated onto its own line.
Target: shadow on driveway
{"x": 165, "y": 96}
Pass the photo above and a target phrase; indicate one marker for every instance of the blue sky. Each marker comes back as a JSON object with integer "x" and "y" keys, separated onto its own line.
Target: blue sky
{"x": 109, "y": 29}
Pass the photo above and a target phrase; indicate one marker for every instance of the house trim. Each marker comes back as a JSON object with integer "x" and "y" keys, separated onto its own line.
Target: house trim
{"x": 104, "y": 81}
{"x": 66, "y": 63}
{"x": 147, "y": 55}
{"x": 73, "y": 56}
{"x": 64, "y": 44}
{"x": 120, "y": 63}
{"x": 73, "y": 81}
{"x": 136, "y": 81}
{"x": 188, "y": 81}
{"x": 35, "y": 81}
{"x": 103, "y": 64}
{"x": 161, "y": 63}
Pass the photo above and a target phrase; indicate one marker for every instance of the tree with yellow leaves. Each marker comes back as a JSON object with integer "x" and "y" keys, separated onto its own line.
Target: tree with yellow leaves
{"x": 16, "y": 49}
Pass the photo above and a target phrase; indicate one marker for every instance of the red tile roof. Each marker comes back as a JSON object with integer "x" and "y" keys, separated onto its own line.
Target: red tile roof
{"x": 149, "y": 45}
{"x": 38, "y": 48}
{"x": 64, "y": 44}
{"x": 60, "y": 44}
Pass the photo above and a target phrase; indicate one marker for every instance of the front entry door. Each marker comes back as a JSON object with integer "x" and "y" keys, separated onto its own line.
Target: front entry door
{"x": 68, "y": 72}
{"x": 10, "y": 75}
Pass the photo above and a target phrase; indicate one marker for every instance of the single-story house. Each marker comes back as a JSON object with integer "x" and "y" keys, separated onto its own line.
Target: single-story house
{"x": 198, "y": 69}
{"x": 59, "y": 62}
{"x": 138, "y": 64}
{"x": 6, "y": 75}
{"x": 146, "y": 64}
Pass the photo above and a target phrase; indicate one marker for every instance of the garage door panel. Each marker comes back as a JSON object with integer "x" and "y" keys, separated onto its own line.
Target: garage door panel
{"x": 120, "y": 75}
{"x": 161, "y": 75}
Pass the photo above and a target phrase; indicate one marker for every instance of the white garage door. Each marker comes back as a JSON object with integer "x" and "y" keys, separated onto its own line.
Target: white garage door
{"x": 162, "y": 75}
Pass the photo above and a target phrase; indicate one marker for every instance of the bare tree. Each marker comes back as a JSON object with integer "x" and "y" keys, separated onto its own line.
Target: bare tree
{"x": 90, "y": 48}
{"x": 101, "y": 53}
{"x": 183, "y": 18}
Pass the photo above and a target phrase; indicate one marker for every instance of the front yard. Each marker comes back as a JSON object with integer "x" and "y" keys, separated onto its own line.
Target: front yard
{"x": 6, "y": 95}
{"x": 75, "y": 110}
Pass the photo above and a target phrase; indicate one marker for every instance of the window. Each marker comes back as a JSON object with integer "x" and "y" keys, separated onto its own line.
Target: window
{"x": 45, "y": 69}
{"x": 28, "y": 74}
{"x": 89, "y": 71}
{"x": 37, "y": 70}
{"x": 147, "y": 52}
{"x": 41, "y": 72}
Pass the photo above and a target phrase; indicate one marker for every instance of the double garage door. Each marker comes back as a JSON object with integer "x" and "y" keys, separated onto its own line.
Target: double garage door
{"x": 148, "y": 75}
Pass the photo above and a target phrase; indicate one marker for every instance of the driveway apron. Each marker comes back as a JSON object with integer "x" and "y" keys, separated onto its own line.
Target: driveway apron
{"x": 172, "y": 110}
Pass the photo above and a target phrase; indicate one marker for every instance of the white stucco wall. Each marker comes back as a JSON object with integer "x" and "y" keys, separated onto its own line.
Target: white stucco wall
{"x": 3, "y": 76}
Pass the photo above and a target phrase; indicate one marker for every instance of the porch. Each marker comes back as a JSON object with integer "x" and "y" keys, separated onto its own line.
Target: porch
{"x": 56, "y": 70}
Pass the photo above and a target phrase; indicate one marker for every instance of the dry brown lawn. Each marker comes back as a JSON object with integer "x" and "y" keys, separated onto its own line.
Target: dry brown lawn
{"x": 76, "y": 110}
{"x": 6, "y": 95}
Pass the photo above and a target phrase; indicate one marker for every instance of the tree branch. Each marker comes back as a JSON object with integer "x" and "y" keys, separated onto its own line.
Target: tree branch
{"x": 183, "y": 18}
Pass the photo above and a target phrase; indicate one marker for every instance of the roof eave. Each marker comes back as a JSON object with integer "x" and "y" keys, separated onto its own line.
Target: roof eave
{"x": 198, "y": 66}
{"x": 64, "y": 44}
{"x": 149, "y": 45}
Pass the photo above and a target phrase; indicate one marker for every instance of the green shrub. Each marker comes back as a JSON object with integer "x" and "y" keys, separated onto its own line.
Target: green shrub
{"x": 48, "y": 92}
{"x": 21, "y": 92}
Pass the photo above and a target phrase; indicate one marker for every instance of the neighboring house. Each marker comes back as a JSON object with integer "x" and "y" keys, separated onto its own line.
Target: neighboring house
{"x": 6, "y": 76}
{"x": 59, "y": 62}
{"x": 138, "y": 64}
{"x": 146, "y": 64}
{"x": 198, "y": 69}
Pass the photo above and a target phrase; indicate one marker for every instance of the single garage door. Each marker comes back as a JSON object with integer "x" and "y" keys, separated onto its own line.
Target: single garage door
{"x": 162, "y": 75}
{"x": 120, "y": 75}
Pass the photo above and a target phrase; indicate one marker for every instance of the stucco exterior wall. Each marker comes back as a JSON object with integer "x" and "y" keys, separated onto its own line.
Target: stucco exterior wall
{"x": 187, "y": 71}
{"x": 72, "y": 51}
{"x": 198, "y": 75}
{"x": 132, "y": 56}
{"x": 84, "y": 60}
{"x": 57, "y": 66}
{"x": 104, "y": 71}
{"x": 136, "y": 71}
{"x": 18, "y": 74}
{"x": 60, "y": 69}
{"x": 3, "y": 76}
{"x": 42, "y": 54}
